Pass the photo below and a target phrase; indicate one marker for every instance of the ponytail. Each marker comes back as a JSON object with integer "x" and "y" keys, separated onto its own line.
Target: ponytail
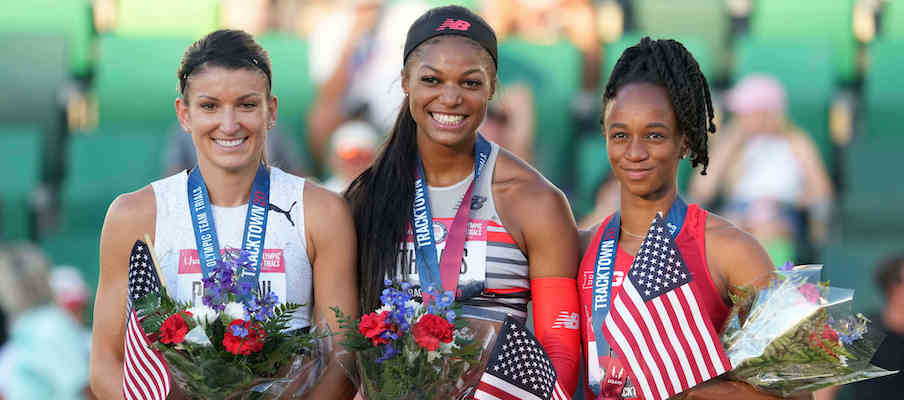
{"x": 380, "y": 200}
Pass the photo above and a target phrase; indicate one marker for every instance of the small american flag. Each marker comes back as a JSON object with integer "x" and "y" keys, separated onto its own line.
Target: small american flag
{"x": 518, "y": 368}
{"x": 656, "y": 323}
{"x": 144, "y": 371}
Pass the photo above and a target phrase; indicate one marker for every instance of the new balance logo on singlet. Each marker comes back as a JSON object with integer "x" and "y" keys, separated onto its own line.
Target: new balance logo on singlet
{"x": 566, "y": 320}
{"x": 456, "y": 24}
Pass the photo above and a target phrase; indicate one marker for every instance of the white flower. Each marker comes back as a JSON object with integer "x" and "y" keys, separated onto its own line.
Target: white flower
{"x": 203, "y": 315}
{"x": 386, "y": 307}
{"x": 433, "y": 355}
{"x": 446, "y": 348}
{"x": 234, "y": 311}
{"x": 198, "y": 337}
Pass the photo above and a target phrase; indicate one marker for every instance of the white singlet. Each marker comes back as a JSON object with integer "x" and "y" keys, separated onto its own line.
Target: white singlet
{"x": 285, "y": 269}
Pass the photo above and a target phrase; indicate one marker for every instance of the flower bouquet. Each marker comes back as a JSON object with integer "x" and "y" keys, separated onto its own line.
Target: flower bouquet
{"x": 236, "y": 345}
{"x": 798, "y": 335}
{"x": 410, "y": 350}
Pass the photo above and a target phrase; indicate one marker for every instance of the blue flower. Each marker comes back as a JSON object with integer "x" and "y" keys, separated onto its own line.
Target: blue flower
{"x": 450, "y": 316}
{"x": 238, "y": 330}
{"x": 389, "y": 351}
{"x": 406, "y": 286}
{"x": 387, "y": 282}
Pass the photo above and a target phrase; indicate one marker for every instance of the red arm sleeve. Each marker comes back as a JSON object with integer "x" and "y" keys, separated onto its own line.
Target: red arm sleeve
{"x": 557, "y": 327}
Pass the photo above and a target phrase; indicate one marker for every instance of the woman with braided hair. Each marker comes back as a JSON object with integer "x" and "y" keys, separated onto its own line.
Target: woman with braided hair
{"x": 656, "y": 111}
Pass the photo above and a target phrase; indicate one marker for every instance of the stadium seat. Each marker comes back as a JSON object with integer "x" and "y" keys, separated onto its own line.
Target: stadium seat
{"x": 292, "y": 84}
{"x": 810, "y": 22}
{"x": 80, "y": 250}
{"x": 871, "y": 201}
{"x": 850, "y": 262}
{"x": 35, "y": 68}
{"x": 71, "y": 19}
{"x": 102, "y": 167}
{"x": 23, "y": 158}
{"x": 806, "y": 72}
{"x": 704, "y": 21}
{"x": 892, "y": 20}
{"x": 136, "y": 84}
{"x": 883, "y": 97}
{"x": 555, "y": 85}
{"x": 695, "y": 45}
{"x": 159, "y": 18}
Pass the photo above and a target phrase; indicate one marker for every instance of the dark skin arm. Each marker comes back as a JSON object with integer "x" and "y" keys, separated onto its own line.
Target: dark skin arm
{"x": 735, "y": 259}
{"x": 538, "y": 217}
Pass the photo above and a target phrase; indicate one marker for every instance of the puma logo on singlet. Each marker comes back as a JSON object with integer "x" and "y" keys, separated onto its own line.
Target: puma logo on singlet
{"x": 288, "y": 214}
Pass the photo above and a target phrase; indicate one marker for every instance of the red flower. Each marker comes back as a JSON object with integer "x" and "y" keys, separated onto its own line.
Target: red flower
{"x": 829, "y": 334}
{"x": 432, "y": 329}
{"x": 373, "y": 325}
{"x": 243, "y": 337}
{"x": 810, "y": 292}
{"x": 175, "y": 328}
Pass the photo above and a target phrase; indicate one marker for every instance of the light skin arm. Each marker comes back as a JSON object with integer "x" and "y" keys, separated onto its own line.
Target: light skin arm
{"x": 129, "y": 218}
{"x": 331, "y": 247}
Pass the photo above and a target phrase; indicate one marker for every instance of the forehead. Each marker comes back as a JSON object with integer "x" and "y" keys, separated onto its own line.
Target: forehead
{"x": 224, "y": 82}
{"x": 640, "y": 100}
{"x": 451, "y": 52}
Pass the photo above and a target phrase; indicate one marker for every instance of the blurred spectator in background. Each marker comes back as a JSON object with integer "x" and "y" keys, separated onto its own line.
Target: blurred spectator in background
{"x": 46, "y": 356}
{"x": 354, "y": 53}
{"x": 70, "y": 292}
{"x": 767, "y": 172}
{"x": 510, "y": 120}
{"x": 352, "y": 149}
{"x": 889, "y": 278}
{"x": 252, "y": 16}
{"x": 281, "y": 152}
{"x": 548, "y": 21}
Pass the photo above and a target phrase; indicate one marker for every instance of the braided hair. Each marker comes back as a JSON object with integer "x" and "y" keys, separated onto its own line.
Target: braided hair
{"x": 667, "y": 63}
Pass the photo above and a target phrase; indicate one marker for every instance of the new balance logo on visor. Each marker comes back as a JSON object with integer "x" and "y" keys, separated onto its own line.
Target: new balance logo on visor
{"x": 456, "y": 24}
{"x": 566, "y": 320}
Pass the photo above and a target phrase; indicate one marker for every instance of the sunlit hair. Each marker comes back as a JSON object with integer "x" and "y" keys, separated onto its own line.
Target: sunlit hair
{"x": 226, "y": 48}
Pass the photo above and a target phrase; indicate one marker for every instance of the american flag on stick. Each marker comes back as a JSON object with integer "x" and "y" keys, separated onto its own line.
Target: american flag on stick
{"x": 519, "y": 368}
{"x": 144, "y": 371}
{"x": 656, "y": 323}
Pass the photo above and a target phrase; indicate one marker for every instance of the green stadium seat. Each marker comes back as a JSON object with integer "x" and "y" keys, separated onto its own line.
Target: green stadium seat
{"x": 704, "y": 21}
{"x": 695, "y": 45}
{"x": 80, "y": 250}
{"x": 883, "y": 97}
{"x": 23, "y": 157}
{"x": 810, "y": 22}
{"x": 292, "y": 85}
{"x": 892, "y": 21}
{"x": 806, "y": 73}
{"x": 136, "y": 84}
{"x": 850, "y": 262}
{"x": 102, "y": 167}
{"x": 71, "y": 19}
{"x": 34, "y": 69}
{"x": 871, "y": 201}
{"x": 555, "y": 85}
{"x": 592, "y": 167}
{"x": 177, "y": 18}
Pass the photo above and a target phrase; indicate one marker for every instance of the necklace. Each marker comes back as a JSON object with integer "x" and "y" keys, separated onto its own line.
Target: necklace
{"x": 631, "y": 234}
